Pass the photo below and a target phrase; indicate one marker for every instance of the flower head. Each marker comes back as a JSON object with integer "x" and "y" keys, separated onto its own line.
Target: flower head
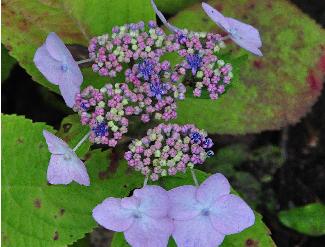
{"x": 168, "y": 149}
{"x": 204, "y": 215}
{"x": 64, "y": 166}
{"x": 56, "y": 63}
{"x": 142, "y": 217}
{"x": 244, "y": 35}
{"x": 105, "y": 111}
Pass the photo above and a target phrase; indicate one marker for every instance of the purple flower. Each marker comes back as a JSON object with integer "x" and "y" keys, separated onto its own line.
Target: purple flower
{"x": 244, "y": 35}
{"x": 157, "y": 89}
{"x": 163, "y": 19}
{"x": 56, "y": 63}
{"x": 146, "y": 69}
{"x": 101, "y": 129}
{"x": 64, "y": 166}
{"x": 204, "y": 215}
{"x": 142, "y": 217}
{"x": 194, "y": 62}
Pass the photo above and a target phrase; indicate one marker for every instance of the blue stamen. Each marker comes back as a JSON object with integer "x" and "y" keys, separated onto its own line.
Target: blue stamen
{"x": 83, "y": 106}
{"x": 100, "y": 130}
{"x": 181, "y": 38}
{"x": 157, "y": 90}
{"x": 196, "y": 137}
{"x": 210, "y": 153}
{"x": 146, "y": 68}
{"x": 208, "y": 143}
{"x": 194, "y": 61}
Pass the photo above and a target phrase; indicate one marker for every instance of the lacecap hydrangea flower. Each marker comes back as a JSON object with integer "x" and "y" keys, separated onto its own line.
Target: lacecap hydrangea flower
{"x": 64, "y": 166}
{"x": 56, "y": 63}
{"x": 244, "y": 35}
{"x": 168, "y": 149}
{"x": 105, "y": 111}
{"x": 130, "y": 43}
{"x": 142, "y": 217}
{"x": 201, "y": 67}
{"x": 204, "y": 215}
{"x": 199, "y": 50}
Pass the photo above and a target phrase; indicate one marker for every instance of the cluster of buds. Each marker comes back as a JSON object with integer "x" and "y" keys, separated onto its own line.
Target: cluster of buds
{"x": 104, "y": 111}
{"x": 158, "y": 88}
{"x": 168, "y": 149}
{"x": 201, "y": 67}
{"x": 127, "y": 44}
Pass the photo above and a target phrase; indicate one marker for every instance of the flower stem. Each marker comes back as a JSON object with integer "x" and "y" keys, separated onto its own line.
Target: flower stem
{"x": 84, "y": 61}
{"x": 145, "y": 181}
{"x": 225, "y": 38}
{"x": 194, "y": 177}
{"x": 81, "y": 141}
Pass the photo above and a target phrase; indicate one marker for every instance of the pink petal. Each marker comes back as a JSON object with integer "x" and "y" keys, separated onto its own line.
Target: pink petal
{"x": 79, "y": 172}
{"x": 216, "y": 16}
{"x": 154, "y": 200}
{"x": 56, "y": 47}
{"x": 163, "y": 19}
{"x": 247, "y": 46}
{"x": 230, "y": 214}
{"x": 197, "y": 232}
{"x": 130, "y": 203}
{"x": 65, "y": 168}
{"x": 246, "y": 31}
{"x": 58, "y": 171}
{"x": 149, "y": 232}
{"x": 68, "y": 91}
{"x": 183, "y": 204}
{"x": 212, "y": 188}
{"x": 47, "y": 65}
{"x": 60, "y": 52}
{"x": 112, "y": 216}
{"x": 54, "y": 143}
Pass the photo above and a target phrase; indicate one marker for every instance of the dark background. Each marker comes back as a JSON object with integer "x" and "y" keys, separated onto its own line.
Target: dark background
{"x": 298, "y": 181}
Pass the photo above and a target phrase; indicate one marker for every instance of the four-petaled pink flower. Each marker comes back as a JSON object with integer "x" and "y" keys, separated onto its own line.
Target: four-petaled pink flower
{"x": 56, "y": 63}
{"x": 244, "y": 35}
{"x": 204, "y": 215}
{"x": 142, "y": 217}
{"x": 64, "y": 166}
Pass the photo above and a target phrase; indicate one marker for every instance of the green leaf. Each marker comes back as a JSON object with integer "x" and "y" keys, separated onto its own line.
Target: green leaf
{"x": 7, "y": 63}
{"x": 25, "y": 25}
{"x": 38, "y": 214}
{"x": 274, "y": 90}
{"x": 71, "y": 131}
{"x": 172, "y": 7}
{"x": 258, "y": 233}
{"x": 309, "y": 219}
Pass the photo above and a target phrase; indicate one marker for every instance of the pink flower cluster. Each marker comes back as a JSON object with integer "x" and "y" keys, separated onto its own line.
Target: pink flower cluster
{"x": 131, "y": 44}
{"x": 127, "y": 44}
{"x": 208, "y": 71}
{"x": 104, "y": 111}
{"x": 158, "y": 89}
{"x": 168, "y": 149}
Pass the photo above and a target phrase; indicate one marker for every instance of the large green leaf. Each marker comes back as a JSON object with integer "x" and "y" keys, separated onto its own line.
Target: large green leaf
{"x": 309, "y": 219}
{"x": 25, "y": 25}
{"x": 258, "y": 233}
{"x": 38, "y": 214}
{"x": 275, "y": 90}
{"x": 7, "y": 62}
